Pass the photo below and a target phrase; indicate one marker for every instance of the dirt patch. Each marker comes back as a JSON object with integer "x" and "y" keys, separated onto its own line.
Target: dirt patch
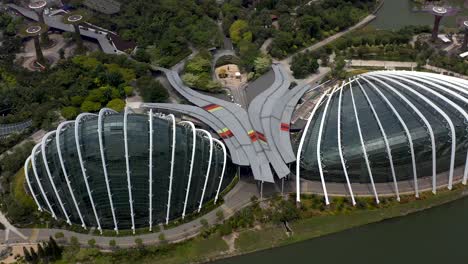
{"x": 230, "y": 76}
{"x": 231, "y": 241}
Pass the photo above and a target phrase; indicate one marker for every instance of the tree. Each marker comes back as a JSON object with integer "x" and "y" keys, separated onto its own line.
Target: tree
{"x": 55, "y": 250}
{"x": 70, "y": 112}
{"x": 191, "y": 79}
{"x": 40, "y": 252}
{"x": 34, "y": 256}
{"x": 89, "y": 106}
{"x": 303, "y": 65}
{"x": 239, "y": 31}
{"x": 139, "y": 242}
{"x": 338, "y": 69}
{"x": 74, "y": 242}
{"x": 116, "y": 104}
{"x": 128, "y": 90}
{"x": 199, "y": 64}
{"x": 262, "y": 64}
{"x": 204, "y": 223}
{"x": 162, "y": 238}
{"x": 27, "y": 255}
{"x": 151, "y": 91}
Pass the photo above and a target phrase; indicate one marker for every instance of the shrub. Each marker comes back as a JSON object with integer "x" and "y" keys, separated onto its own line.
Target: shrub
{"x": 92, "y": 242}
{"x": 116, "y": 104}
{"x": 112, "y": 243}
{"x": 70, "y": 112}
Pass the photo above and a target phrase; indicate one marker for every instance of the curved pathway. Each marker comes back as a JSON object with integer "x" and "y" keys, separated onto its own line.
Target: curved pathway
{"x": 235, "y": 200}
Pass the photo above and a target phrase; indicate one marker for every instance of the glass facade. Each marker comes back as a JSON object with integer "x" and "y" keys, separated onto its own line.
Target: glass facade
{"x": 414, "y": 97}
{"x": 113, "y": 142}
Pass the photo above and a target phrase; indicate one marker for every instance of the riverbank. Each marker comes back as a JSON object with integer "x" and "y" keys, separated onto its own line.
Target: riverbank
{"x": 271, "y": 236}
{"x": 212, "y": 245}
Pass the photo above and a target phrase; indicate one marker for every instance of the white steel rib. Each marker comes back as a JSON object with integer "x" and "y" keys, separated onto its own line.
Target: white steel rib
{"x": 26, "y": 174}
{"x": 64, "y": 170}
{"x": 384, "y": 135}
{"x": 44, "y": 142}
{"x": 408, "y": 134}
{"x": 445, "y": 116}
{"x": 208, "y": 135}
{"x": 192, "y": 160}
{"x": 454, "y": 83}
{"x": 429, "y": 78}
{"x": 127, "y": 163}
{"x": 448, "y": 101}
{"x": 301, "y": 144}
{"x": 83, "y": 169}
{"x": 363, "y": 145}
{"x": 33, "y": 160}
{"x": 340, "y": 148}
{"x": 221, "y": 144}
{"x": 100, "y": 131}
{"x": 150, "y": 169}
{"x": 319, "y": 147}
{"x": 171, "y": 174}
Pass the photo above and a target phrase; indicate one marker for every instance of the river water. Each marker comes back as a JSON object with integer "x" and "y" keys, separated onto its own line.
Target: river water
{"x": 395, "y": 14}
{"x": 437, "y": 235}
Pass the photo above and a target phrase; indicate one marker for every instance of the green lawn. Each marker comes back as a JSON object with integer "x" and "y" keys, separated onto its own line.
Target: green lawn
{"x": 308, "y": 228}
{"x": 268, "y": 237}
{"x": 19, "y": 183}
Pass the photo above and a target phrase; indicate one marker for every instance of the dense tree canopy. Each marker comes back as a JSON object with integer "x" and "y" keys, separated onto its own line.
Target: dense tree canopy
{"x": 165, "y": 27}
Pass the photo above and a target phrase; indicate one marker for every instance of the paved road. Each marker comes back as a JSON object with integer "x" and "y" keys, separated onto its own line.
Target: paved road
{"x": 379, "y": 63}
{"x": 236, "y": 199}
{"x": 402, "y": 64}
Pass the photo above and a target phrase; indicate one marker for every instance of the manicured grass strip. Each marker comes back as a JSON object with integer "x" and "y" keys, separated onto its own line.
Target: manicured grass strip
{"x": 19, "y": 183}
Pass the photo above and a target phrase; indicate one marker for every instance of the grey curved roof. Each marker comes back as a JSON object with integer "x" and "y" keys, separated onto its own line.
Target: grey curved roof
{"x": 234, "y": 117}
{"x": 238, "y": 155}
{"x": 261, "y": 114}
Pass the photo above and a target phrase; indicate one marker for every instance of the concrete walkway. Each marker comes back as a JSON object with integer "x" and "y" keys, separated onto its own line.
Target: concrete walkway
{"x": 235, "y": 200}
{"x": 402, "y": 64}
{"x": 379, "y": 63}
{"x": 332, "y": 38}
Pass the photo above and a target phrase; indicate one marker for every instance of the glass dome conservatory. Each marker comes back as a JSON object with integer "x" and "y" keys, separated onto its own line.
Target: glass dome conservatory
{"x": 125, "y": 170}
{"x": 391, "y": 128}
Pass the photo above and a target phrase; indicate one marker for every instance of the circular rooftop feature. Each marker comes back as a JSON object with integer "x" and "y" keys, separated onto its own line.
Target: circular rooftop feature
{"x": 33, "y": 29}
{"x": 38, "y": 4}
{"x": 74, "y": 18}
{"x": 125, "y": 170}
{"x": 439, "y": 10}
{"x": 394, "y": 131}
